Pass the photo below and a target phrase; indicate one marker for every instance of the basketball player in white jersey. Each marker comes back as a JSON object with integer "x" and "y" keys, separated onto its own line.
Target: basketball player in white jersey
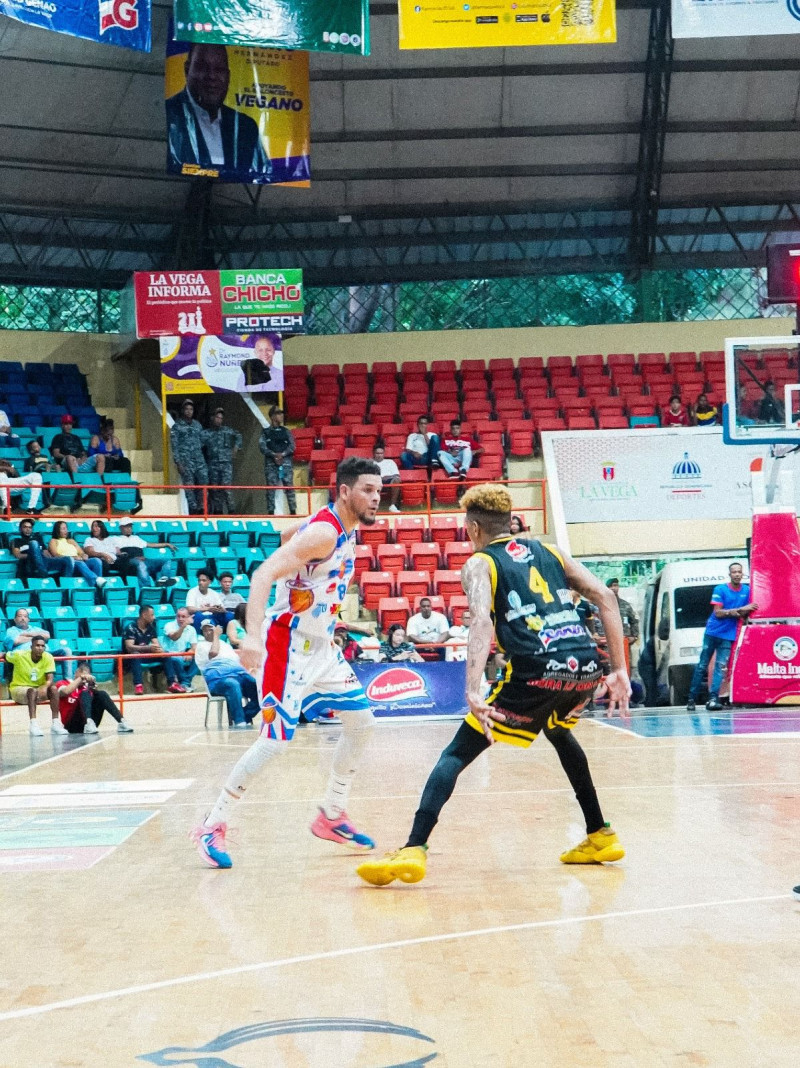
{"x": 289, "y": 648}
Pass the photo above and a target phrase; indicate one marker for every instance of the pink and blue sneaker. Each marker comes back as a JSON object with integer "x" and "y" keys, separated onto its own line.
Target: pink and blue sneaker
{"x": 210, "y": 842}
{"x": 341, "y": 830}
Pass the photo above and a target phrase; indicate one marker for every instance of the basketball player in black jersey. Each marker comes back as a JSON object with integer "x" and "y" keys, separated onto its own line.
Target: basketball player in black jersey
{"x": 521, "y": 589}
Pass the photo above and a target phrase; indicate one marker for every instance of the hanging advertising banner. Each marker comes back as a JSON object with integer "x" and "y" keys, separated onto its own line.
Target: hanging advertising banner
{"x": 116, "y": 22}
{"x": 431, "y": 688}
{"x": 734, "y": 18}
{"x": 177, "y": 303}
{"x": 453, "y": 24}
{"x": 237, "y": 114}
{"x": 310, "y": 25}
{"x": 228, "y": 364}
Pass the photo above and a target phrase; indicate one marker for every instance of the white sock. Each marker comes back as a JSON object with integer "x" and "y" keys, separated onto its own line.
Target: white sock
{"x": 356, "y": 729}
{"x": 249, "y": 765}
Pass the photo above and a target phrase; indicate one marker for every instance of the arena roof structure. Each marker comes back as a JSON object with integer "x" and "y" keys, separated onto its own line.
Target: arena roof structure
{"x": 425, "y": 165}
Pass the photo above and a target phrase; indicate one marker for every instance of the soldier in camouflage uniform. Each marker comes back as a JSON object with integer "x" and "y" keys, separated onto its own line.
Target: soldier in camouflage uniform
{"x": 186, "y": 437}
{"x": 277, "y": 445}
{"x": 221, "y": 445}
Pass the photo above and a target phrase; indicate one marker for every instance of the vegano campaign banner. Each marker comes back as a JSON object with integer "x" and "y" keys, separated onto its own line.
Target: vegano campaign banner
{"x": 734, "y": 18}
{"x": 434, "y": 686}
{"x": 454, "y": 24}
{"x": 312, "y": 25}
{"x": 116, "y": 22}
{"x": 230, "y": 364}
{"x": 237, "y": 114}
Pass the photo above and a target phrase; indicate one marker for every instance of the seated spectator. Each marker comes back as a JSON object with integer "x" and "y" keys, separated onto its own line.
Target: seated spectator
{"x": 107, "y": 445}
{"x": 62, "y": 545}
{"x": 770, "y": 410}
{"x": 8, "y": 439}
{"x": 390, "y": 476}
{"x": 230, "y": 600}
{"x": 427, "y": 627}
{"x": 206, "y": 603}
{"x": 422, "y": 447}
{"x": 351, "y": 650}
{"x": 81, "y": 705}
{"x": 457, "y": 451}
{"x": 705, "y": 414}
{"x": 140, "y": 637}
{"x": 68, "y": 452}
{"x": 129, "y": 549}
{"x": 32, "y": 684}
{"x": 38, "y": 460}
{"x": 675, "y": 414}
{"x": 396, "y": 648}
{"x": 35, "y": 561}
{"x": 237, "y": 628}
{"x": 181, "y": 637}
{"x": 457, "y": 642}
{"x": 225, "y": 677}
{"x": 12, "y": 482}
{"x": 99, "y": 546}
{"x": 20, "y": 635}
{"x": 518, "y": 525}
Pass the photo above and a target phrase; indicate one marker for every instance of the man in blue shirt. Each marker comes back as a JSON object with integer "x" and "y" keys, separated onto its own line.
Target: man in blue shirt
{"x": 730, "y": 602}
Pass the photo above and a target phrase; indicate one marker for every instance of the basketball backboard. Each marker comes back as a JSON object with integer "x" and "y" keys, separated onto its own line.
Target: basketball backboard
{"x": 762, "y": 386}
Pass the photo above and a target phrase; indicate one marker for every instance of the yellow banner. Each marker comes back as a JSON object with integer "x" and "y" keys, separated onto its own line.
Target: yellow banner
{"x": 487, "y": 23}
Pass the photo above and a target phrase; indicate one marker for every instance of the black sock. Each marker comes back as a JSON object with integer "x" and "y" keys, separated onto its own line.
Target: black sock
{"x": 467, "y": 744}
{"x": 576, "y": 766}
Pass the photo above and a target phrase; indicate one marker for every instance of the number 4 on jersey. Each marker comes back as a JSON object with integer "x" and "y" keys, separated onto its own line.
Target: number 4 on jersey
{"x": 538, "y": 585}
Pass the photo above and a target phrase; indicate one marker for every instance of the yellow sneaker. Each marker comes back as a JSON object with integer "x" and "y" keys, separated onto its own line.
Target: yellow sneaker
{"x": 406, "y": 864}
{"x": 600, "y": 847}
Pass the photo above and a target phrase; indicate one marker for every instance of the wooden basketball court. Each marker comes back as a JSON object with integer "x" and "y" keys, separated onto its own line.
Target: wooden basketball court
{"x": 121, "y": 949}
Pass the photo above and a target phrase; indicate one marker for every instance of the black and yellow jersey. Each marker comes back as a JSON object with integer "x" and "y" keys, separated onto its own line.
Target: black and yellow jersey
{"x": 532, "y": 605}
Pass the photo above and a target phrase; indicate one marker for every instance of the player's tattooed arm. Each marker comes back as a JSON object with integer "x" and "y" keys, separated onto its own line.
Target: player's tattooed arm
{"x": 477, "y": 584}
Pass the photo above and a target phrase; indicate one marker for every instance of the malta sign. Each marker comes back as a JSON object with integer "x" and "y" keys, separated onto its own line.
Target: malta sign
{"x": 215, "y": 303}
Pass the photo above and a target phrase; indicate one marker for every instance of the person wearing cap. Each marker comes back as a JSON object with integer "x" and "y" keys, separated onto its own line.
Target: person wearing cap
{"x": 224, "y": 675}
{"x": 630, "y": 621}
{"x": 130, "y": 547}
{"x": 69, "y": 453}
{"x": 221, "y": 444}
{"x": 277, "y": 447}
{"x": 186, "y": 438}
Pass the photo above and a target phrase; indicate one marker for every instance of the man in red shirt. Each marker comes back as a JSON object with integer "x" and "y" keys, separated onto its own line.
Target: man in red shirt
{"x": 457, "y": 451}
{"x": 81, "y": 705}
{"x": 676, "y": 414}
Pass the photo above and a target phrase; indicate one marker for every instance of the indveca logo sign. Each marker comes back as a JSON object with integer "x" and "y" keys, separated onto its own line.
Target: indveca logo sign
{"x": 397, "y": 684}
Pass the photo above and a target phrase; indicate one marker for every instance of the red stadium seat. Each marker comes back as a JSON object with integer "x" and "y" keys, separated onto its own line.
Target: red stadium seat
{"x": 456, "y": 553}
{"x": 445, "y": 490}
{"x": 334, "y": 437}
{"x": 390, "y": 557}
{"x": 444, "y": 389}
{"x": 559, "y": 363}
{"x": 473, "y": 365}
{"x": 296, "y": 372}
{"x": 490, "y": 470}
{"x": 609, "y": 405}
{"x": 611, "y": 421}
{"x": 618, "y": 360}
{"x": 643, "y": 407}
{"x": 323, "y": 464}
{"x": 373, "y": 586}
{"x": 550, "y": 423}
{"x": 384, "y": 369}
{"x": 444, "y": 529}
{"x": 413, "y": 583}
{"x": 652, "y": 359}
{"x": 350, "y": 415}
{"x": 519, "y": 433}
{"x": 447, "y": 583}
{"x": 364, "y": 560}
{"x": 594, "y": 360}
{"x": 364, "y": 438}
{"x": 443, "y": 369}
{"x": 295, "y": 402}
{"x": 458, "y": 606}
{"x": 393, "y": 610}
{"x": 501, "y": 363}
{"x": 409, "y": 529}
{"x": 376, "y": 534}
{"x": 381, "y": 413}
{"x": 505, "y": 394}
{"x": 414, "y": 487}
{"x": 304, "y": 439}
{"x": 578, "y": 406}
{"x": 394, "y": 444}
{"x": 533, "y": 364}
{"x": 319, "y": 416}
{"x": 686, "y": 361}
{"x": 425, "y": 555}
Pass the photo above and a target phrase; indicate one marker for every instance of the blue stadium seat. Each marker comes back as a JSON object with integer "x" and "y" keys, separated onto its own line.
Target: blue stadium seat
{"x": 63, "y": 492}
{"x": 151, "y": 595}
{"x": 116, "y": 596}
{"x": 15, "y": 596}
{"x": 99, "y": 623}
{"x": 82, "y": 599}
{"x": 125, "y": 496}
{"x": 64, "y": 625}
{"x": 103, "y": 670}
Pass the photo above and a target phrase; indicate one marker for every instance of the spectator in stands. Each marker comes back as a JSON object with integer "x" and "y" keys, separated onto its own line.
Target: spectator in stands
{"x": 396, "y": 648}
{"x": 517, "y": 525}
{"x": 20, "y": 635}
{"x": 140, "y": 637}
{"x": 351, "y": 650}
{"x": 12, "y": 482}
{"x": 457, "y": 642}
{"x": 390, "y": 476}
{"x": 69, "y": 453}
{"x": 221, "y": 444}
{"x": 129, "y": 549}
{"x": 457, "y": 451}
{"x": 34, "y": 559}
{"x": 422, "y": 447}
{"x": 675, "y": 414}
{"x": 107, "y": 445}
{"x": 186, "y": 438}
{"x": 257, "y": 370}
{"x": 277, "y": 446}
{"x": 99, "y": 546}
{"x": 630, "y": 621}
{"x": 770, "y": 410}
{"x": 206, "y": 603}
{"x": 587, "y": 614}
{"x": 744, "y": 408}
{"x": 8, "y": 439}
{"x": 61, "y": 544}
{"x": 427, "y": 627}
{"x": 225, "y": 677}
{"x": 705, "y": 414}
{"x": 181, "y": 637}
{"x": 32, "y": 684}
{"x": 237, "y": 628}
{"x": 230, "y": 600}
{"x": 38, "y": 460}
{"x": 81, "y": 704}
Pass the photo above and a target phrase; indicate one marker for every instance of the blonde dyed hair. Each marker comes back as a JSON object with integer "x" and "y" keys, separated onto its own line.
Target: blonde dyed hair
{"x": 489, "y": 506}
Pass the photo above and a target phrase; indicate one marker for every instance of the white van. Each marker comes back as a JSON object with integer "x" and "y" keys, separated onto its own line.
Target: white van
{"x": 676, "y": 608}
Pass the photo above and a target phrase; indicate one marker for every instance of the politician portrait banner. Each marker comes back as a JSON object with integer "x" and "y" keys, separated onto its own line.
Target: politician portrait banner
{"x": 228, "y": 364}
{"x": 454, "y": 24}
{"x": 310, "y": 25}
{"x": 734, "y": 18}
{"x": 238, "y": 114}
{"x": 116, "y": 22}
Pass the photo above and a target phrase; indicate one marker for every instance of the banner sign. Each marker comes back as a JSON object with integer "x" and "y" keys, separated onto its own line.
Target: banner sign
{"x": 614, "y": 476}
{"x": 453, "y": 24}
{"x": 116, "y": 22}
{"x": 229, "y": 364}
{"x": 170, "y": 303}
{"x": 734, "y": 18}
{"x": 311, "y": 25}
{"x": 237, "y": 114}
{"x": 432, "y": 687}
{"x": 766, "y": 667}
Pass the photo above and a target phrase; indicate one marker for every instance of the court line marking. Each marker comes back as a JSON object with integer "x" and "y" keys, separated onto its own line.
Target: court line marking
{"x": 56, "y": 756}
{"x": 334, "y": 954}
